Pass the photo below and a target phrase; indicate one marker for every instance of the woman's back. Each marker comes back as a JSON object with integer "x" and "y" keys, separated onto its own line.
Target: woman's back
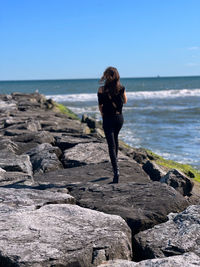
{"x": 112, "y": 104}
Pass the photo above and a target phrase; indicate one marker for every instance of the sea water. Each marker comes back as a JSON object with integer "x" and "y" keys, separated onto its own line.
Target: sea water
{"x": 162, "y": 113}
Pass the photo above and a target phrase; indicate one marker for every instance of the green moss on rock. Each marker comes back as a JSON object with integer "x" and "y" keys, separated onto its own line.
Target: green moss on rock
{"x": 63, "y": 109}
{"x": 185, "y": 168}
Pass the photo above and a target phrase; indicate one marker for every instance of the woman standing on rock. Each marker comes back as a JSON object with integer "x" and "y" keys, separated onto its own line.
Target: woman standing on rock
{"x": 111, "y": 98}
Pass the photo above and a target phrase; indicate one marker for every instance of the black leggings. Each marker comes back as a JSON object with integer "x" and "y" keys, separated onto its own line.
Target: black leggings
{"x": 112, "y": 125}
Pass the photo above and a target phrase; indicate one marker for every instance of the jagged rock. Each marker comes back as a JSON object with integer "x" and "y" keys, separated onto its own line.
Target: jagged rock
{"x": 142, "y": 205}
{"x": 177, "y": 236}
{"x": 12, "y": 177}
{"x": 15, "y": 163}
{"x": 5, "y": 97}
{"x": 45, "y": 158}
{"x": 185, "y": 260}
{"x": 88, "y": 153}
{"x": 67, "y": 126}
{"x": 2, "y": 174}
{"x": 16, "y": 132}
{"x": 31, "y": 199}
{"x": 67, "y": 141}
{"x": 7, "y": 106}
{"x": 91, "y": 122}
{"x": 99, "y": 133}
{"x": 23, "y": 148}
{"x": 29, "y": 101}
{"x": 154, "y": 171}
{"x": 139, "y": 155}
{"x": 61, "y": 235}
{"x": 178, "y": 181}
{"x": 8, "y": 145}
{"x": 38, "y": 137}
{"x": 95, "y": 173}
{"x": 194, "y": 198}
{"x": 30, "y": 125}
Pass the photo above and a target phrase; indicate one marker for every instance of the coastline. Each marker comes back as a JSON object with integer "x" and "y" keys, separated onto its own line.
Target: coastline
{"x": 168, "y": 164}
{"x": 57, "y": 200}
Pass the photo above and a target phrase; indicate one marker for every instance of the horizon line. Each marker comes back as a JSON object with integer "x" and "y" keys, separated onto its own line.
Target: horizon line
{"x": 64, "y": 79}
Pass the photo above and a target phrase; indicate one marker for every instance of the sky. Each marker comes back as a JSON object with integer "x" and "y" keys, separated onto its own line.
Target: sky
{"x": 69, "y": 39}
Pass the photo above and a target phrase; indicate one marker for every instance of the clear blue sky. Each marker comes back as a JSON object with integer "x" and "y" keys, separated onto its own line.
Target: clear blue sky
{"x": 49, "y": 39}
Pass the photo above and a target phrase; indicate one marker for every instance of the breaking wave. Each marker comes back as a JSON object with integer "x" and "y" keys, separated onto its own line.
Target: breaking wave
{"x": 131, "y": 95}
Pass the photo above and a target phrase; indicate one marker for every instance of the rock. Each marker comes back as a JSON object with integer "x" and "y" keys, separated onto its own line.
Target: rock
{"x": 7, "y": 106}
{"x": 178, "y": 181}
{"x": 194, "y": 199}
{"x": 61, "y": 235}
{"x": 180, "y": 234}
{"x": 38, "y": 137}
{"x": 67, "y": 126}
{"x": 142, "y": 205}
{"x": 2, "y": 174}
{"x": 88, "y": 153}
{"x": 95, "y": 173}
{"x": 12, "y": 177}
{"x": 29, "y": 101}
{"x": 154, "y": 171}
{"x": 91, "y": 122}
{"x": 45, "y": 158}
{"x": 67, "y": 141}
{"x": 31, "y": 199}
{"x": 185, "y": 260}
{"x": 14, "y": 163}
{"x": 30, "y": 125}
{"x": 139, "y": 155}
{"x": 5, "y": 97}
{"x": 16, "y": 132}
{"x": 8, "y": 145}
{"x": 99, "y": 133}
{"x": 23, "y": 148}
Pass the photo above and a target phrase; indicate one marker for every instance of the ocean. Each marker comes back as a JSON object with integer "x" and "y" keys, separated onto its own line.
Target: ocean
{"x": 162, "y": 113}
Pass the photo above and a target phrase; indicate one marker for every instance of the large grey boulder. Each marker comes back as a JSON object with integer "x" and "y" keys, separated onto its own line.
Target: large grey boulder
{"x": 45, "y": 158}
{"x": 61, "y": 235}
{"x": 13, "y": 177}
{"x": 100, "y": 173}
{"x": 142, "y": 205}
{"x": 7, "y": 144}
{"x": 29, "y": 124}
{"x": 2, "y": 173}
{"x": 88, "y": 153}
{"x": 36, "y": 137}
{"x": 180, "y": 234}
{"x": 63, "y": 125}
{"x": 185, "y": 260}
{"x": 91, "y": 122}
{"x": 67, "y": 141}
{"x": 178, "y": 181}
{"x": 154, "y": 171}
{"x": 15, "y": 163}
{"x": 31, "y": 199}
{"x": 7, "y": 106}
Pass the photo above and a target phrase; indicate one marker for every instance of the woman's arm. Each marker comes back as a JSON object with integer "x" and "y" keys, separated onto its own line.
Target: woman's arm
{"x": 124, "y": 97}
{"x": 100, "y": 91}
{"x": 101, "y": 109}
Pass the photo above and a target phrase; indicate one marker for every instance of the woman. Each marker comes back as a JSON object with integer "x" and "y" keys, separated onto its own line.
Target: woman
{"x": 111, "y": 98}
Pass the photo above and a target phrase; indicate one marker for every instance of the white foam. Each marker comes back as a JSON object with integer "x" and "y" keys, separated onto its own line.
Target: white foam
{"x": 163, "y": 94}
{"x": 73, "y": 97}
{"x": 131, "y": 95}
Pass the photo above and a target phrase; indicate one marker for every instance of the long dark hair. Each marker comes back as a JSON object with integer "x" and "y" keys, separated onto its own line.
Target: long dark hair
{"x": 111, "y": 80}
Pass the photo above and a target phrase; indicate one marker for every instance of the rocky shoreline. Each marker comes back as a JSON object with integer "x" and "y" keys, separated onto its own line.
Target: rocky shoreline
{"x": 58, "y": 208}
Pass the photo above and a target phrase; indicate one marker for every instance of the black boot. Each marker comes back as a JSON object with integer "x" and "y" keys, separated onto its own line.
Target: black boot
{"x": 116, "y": 176}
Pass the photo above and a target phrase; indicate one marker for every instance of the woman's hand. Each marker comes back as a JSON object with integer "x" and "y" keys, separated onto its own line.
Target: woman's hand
{"x": 101, "y": 109}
